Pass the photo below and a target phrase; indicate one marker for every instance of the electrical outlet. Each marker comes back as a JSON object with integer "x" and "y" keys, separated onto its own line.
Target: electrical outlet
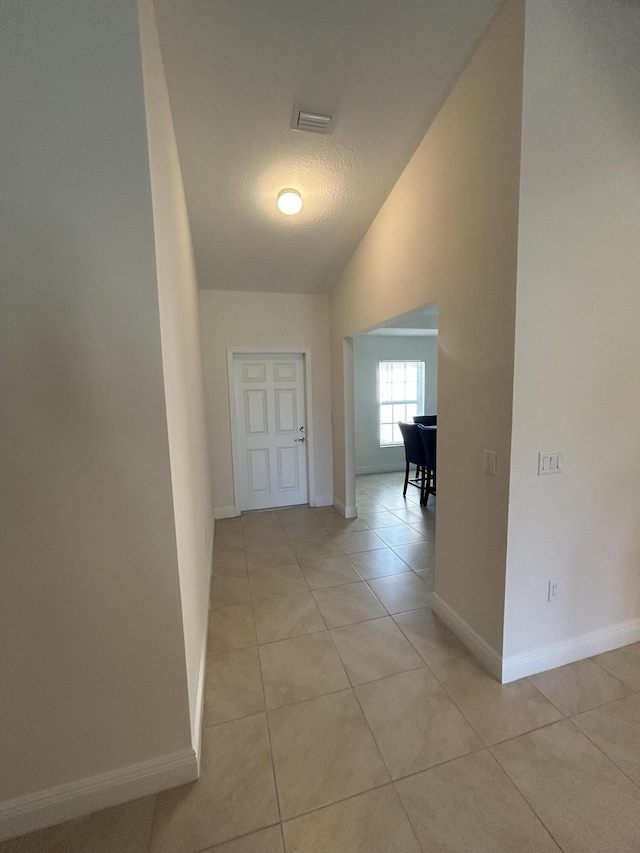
{"x": 554, "y": 590}
{"x": 490, "y": 462}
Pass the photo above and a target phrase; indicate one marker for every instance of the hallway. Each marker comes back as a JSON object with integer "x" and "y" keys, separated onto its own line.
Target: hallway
{"x": 342, "y": 716}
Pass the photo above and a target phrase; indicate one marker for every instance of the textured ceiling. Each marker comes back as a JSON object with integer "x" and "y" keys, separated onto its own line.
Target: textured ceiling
{"x": 235, "y": 68}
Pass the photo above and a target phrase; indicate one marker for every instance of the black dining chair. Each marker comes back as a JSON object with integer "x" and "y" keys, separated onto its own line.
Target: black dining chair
{"x": 414, "y": 455}
{"x": 429, "y": 439}
{"x": 426, "y": 420}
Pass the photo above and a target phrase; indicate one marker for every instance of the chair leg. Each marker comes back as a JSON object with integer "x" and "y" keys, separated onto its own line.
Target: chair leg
{"x": 406, "y": 480}
{"x": 424, "y": 496}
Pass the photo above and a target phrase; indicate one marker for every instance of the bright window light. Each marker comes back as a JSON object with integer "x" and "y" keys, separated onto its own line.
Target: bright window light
{"x": 400, "y": 397}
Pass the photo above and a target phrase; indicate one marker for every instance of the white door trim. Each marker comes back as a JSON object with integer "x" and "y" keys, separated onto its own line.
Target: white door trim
{"x": 235, "y": 458}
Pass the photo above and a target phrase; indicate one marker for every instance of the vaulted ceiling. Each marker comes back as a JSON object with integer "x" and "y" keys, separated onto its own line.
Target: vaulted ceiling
{"x": 235, "y": 69}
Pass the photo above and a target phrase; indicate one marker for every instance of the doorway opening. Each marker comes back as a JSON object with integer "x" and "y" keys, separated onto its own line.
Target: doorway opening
{"x": 393, "y": 377}
{"x": 271, "y": 434}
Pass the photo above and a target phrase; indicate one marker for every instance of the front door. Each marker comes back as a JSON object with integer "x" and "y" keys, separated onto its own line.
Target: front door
{"x": 270, "y": 428}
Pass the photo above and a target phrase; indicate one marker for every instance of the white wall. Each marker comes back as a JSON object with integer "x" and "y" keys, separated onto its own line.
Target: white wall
{"x": 182, "y": 366}
{"x": 577, "y": 361}
{"x": 368, "y": 351}
{"x": 91, "y": 648}
{"x": 270, "y": 320}
{"x": 448, "y": 234}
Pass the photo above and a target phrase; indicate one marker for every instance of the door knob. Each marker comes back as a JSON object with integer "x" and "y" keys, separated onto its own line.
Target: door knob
{"x": 300, "y": 439}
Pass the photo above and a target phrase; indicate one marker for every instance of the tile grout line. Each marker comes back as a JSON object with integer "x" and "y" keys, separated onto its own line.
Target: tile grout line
{"x": 601, "y": 751}
{"x": 624, "y": 684}
{"x": 522, "y": 794}
{"x": 266, "y": 714}
{"x": 531, "y": 808}
{"x": 422, "y": 666}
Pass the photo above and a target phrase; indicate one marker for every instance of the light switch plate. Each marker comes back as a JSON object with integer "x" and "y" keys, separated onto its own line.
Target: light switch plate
{"x": 549, "y": 462}
{"x": 490, "y": 462}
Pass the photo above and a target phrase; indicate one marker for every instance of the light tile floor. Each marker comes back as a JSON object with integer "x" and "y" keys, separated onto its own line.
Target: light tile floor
{"x": 341, "y": 715}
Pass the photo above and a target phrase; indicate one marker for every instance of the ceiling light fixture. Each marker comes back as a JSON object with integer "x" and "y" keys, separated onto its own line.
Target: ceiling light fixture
{"x": 289, "y": 202}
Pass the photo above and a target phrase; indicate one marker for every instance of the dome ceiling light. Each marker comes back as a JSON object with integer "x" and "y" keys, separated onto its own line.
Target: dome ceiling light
{"x": 289, "y": 202}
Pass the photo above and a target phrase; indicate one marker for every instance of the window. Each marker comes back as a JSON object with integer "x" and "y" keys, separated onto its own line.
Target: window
{"x": 400, "y": 397}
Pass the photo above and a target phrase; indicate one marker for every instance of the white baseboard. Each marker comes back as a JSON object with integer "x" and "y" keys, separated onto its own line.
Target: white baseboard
{"x": 196, "y": 734}
{"x": 389, "y": 468}
{"x": 225, "y": 512}
{"x": 485, "y": 653}
{"x": 74, "y": 799}
{"x": 322, "y": 500}
{"x": 346, "y": 511}
{"x": 568, "y": 651}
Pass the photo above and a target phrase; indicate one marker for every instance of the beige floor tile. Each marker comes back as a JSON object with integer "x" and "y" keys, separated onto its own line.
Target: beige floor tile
{"x": 233, "y": 686}
{"x": 374, "y": 649}
{"x": 265, "y": 537}
{"x": 291, "y": 616}
{"x": 227, "y": 539}
{"x": 374, "y": 822}
{"x": 624, "y": 663}
{"x": 264, "y": 530}
{"x": 228, "y": 525}
{"x": 234, "y": 795}
{"x": 316, "y": 549}
{"x": 306, "y": 530}
{"x": 347, "y": 604}
{"x": 228, "y": 561}
{"x": 301, "y": 668}
{"x": 229, "y": 590}
{"x": 404, "y": 592}
{"x": 336, "y": 523}
{"x": 297, "y": 515}
{"x": 418, "y": 555}
{"x": 378, "y": 564}
{"x": 264, "y": 841}
{"x": 395, "y": 501}
{"x": 366, "y": 503}
{"x": 414, "y": 515}
{"x": 426, "y": 529}
{"x": 231, "y": 628}
{"x": 579, "y": 686}
{"x": 121, "y": 829}
{"x": 585, "y": 802}
{"x": 400, "y": 535}
{"x": 428, "y": 576}
{"x": 376, "y": 520}
{"x": 323, "y": 751}
{"x": 260, "y": 518}
{"x": 431, "y": 638}
{"x": 415, "y": 723}
{"x": 361, "y": 540}
{"x": 332, "y": 571}
{"x": 470, "y": 806}
{"x": 496, "y": 711}
{"x": 378, "y": 490}
{"x": 261, "y": 523}
{"x": 269, "y": 556}
{"x": 615, "y": 729}
{"x": 277, "y": 582}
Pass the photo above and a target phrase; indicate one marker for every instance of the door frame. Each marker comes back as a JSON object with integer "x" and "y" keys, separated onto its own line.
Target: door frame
{"x": 235, "y": 457}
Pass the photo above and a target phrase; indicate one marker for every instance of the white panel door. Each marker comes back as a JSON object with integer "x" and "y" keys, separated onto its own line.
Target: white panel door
{"x": 270, "y": 429}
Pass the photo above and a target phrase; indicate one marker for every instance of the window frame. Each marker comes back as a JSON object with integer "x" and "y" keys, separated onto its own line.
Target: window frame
{"x": 418, "y": 401}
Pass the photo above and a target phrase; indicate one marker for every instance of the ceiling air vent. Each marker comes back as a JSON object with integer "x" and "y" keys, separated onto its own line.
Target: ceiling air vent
{"x": 312, "y": 121}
